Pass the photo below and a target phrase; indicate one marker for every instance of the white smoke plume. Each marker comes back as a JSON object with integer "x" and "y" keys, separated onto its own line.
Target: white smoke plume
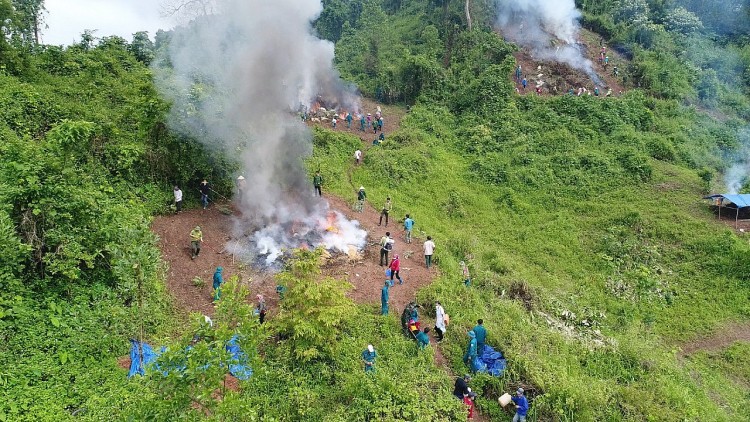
{"x": 738, "y": 173}
{"x": 236, "y": 79}
{"x": 549, "y": 28}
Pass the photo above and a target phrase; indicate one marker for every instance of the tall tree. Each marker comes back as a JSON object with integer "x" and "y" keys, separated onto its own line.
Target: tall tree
{"x": 29, "y": 18}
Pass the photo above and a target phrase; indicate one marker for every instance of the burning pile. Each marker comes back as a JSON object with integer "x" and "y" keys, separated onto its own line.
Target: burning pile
{"x": 267, "y": 246}
{"x": 235, "y": 80}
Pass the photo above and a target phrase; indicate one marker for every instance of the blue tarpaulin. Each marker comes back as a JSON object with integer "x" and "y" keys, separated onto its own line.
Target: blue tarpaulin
{"x": 137, "y": 366}
{"x": 237, "y": 367}
{"x": 490, "y": 361}
{"x": 740, "y": 200}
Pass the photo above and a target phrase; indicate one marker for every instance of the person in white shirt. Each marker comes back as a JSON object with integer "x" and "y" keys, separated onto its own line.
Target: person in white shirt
{"x": 357, "y": 156}
{"x": 429, "y": 248}
{"x": 439, "y": 321}
{"x": 177, "y": 198}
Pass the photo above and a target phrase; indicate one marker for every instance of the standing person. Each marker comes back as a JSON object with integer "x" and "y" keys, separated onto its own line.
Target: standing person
{"x": 204, "y": 187}
{"x": 386, "y": 245}
{"x": 422, "y": 339}
{"x": 465, "y": 273}
{"x": 362, "y": 123}
{"x": 518, "y": 73}
{"x": 177, "y": 198}
{"x": 369, "y": 120}
{"x": 524, "y": 82}
{"x": 395, "y": 267}
{"x": 357, "y": 156}
{"x": 196, "y": 237}
{"x": 384, "y": 296}
{"x": 471, "y": 350}
{"x": 349, "y": 119}
{"x": 333, "y": 122}
{"x": 261, "y": 308}
{"x": 408, "y": 225}
{"x": 461, "y": 387}
{"x": 522, "y": 406}
{"x": 429, "y": 248}
{"x": 386, "y": 209}
{"x": 218, "y": 280}
{"x": 380, "y": 124}
{"x": 368, "y": 357}
{"x": 241, "y": 185}
{"x": 361, "y": 196}
{"x": 318, "y": 182}
{"x": 481, "y": 336}
{"x": 439, "y": 321}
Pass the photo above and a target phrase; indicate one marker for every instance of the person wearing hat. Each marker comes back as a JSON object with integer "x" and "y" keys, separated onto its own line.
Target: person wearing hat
{"x": 204, "y": 187}
{"x": 384, "y": 296}
{"x": 361, "y": 196}
{"x": 261, "y": 308}
{"x": 461, "y": 387}
{"x": 241, "y": 184}
{"x": 368, "y": 357}
{"x": 196, "y": 237}
{"x": 387, "y": 207}
{"x": 522, "y": 406}
{"x": 218, "y": 280}
{"x": 471, "y": 350}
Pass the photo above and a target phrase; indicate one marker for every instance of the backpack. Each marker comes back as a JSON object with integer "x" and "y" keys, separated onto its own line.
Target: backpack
{"x": 388, "y": 245}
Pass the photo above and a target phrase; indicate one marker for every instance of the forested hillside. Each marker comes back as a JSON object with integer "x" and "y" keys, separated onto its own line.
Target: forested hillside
{"x": 612, "y": 289}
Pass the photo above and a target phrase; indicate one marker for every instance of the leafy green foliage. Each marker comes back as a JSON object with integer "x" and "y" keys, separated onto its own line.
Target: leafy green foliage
{"x": 313, "y": 312}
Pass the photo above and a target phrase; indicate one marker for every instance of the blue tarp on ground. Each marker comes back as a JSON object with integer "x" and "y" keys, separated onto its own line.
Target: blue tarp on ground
{"x": 490, "y": 361}
{"x": 149, "y": 356}
{"x": 237, "y": 367}
{"x": 741, "y": 200}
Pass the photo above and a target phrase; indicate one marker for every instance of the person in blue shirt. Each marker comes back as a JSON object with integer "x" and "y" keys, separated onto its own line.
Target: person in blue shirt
{"x": 471, "y": 350}
{"x": 408, "y": 225}
{"x": 522, "y": 406}
{"x": 422, "y": 339}
{"x": 384, "y": 299}
{"x": 348, "y": 120}
{"x": 218, "y": 279}
{"x": 368, "y": 357}
{"x": 481, "y": 335}
{"x": 362, "y": 123}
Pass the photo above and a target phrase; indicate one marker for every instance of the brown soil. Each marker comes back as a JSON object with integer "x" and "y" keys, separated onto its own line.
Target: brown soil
{"x": 365, "y": 275}
{"x": 559, "y": 77}
{"x": 721, "y": 339}
{"x": 174, "y": 241}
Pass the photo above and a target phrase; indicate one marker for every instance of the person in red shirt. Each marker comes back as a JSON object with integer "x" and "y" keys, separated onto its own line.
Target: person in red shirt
{"x": 395, "y": 267}
{"x": 469, "y": 402}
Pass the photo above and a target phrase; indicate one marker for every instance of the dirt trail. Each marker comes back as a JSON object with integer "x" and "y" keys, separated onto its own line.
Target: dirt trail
{"x": 723, "y": 337}
{"x": 366, "y": 276}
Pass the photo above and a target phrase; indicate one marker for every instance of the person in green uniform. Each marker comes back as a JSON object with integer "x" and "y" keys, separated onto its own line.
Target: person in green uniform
{"x": 422, "y": 339}
{"x": 368, "y": 357}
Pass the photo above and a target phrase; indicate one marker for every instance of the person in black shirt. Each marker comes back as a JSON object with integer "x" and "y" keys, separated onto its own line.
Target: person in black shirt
{"x": 204, "y": 188}
{"x": 461, "y": 387}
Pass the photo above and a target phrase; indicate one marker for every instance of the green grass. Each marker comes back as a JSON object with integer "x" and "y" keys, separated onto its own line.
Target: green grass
{"x": 637, "y": 256}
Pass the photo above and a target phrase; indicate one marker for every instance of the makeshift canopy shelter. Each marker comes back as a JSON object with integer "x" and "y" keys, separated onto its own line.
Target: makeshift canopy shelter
{"x": 732, "y": 201}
